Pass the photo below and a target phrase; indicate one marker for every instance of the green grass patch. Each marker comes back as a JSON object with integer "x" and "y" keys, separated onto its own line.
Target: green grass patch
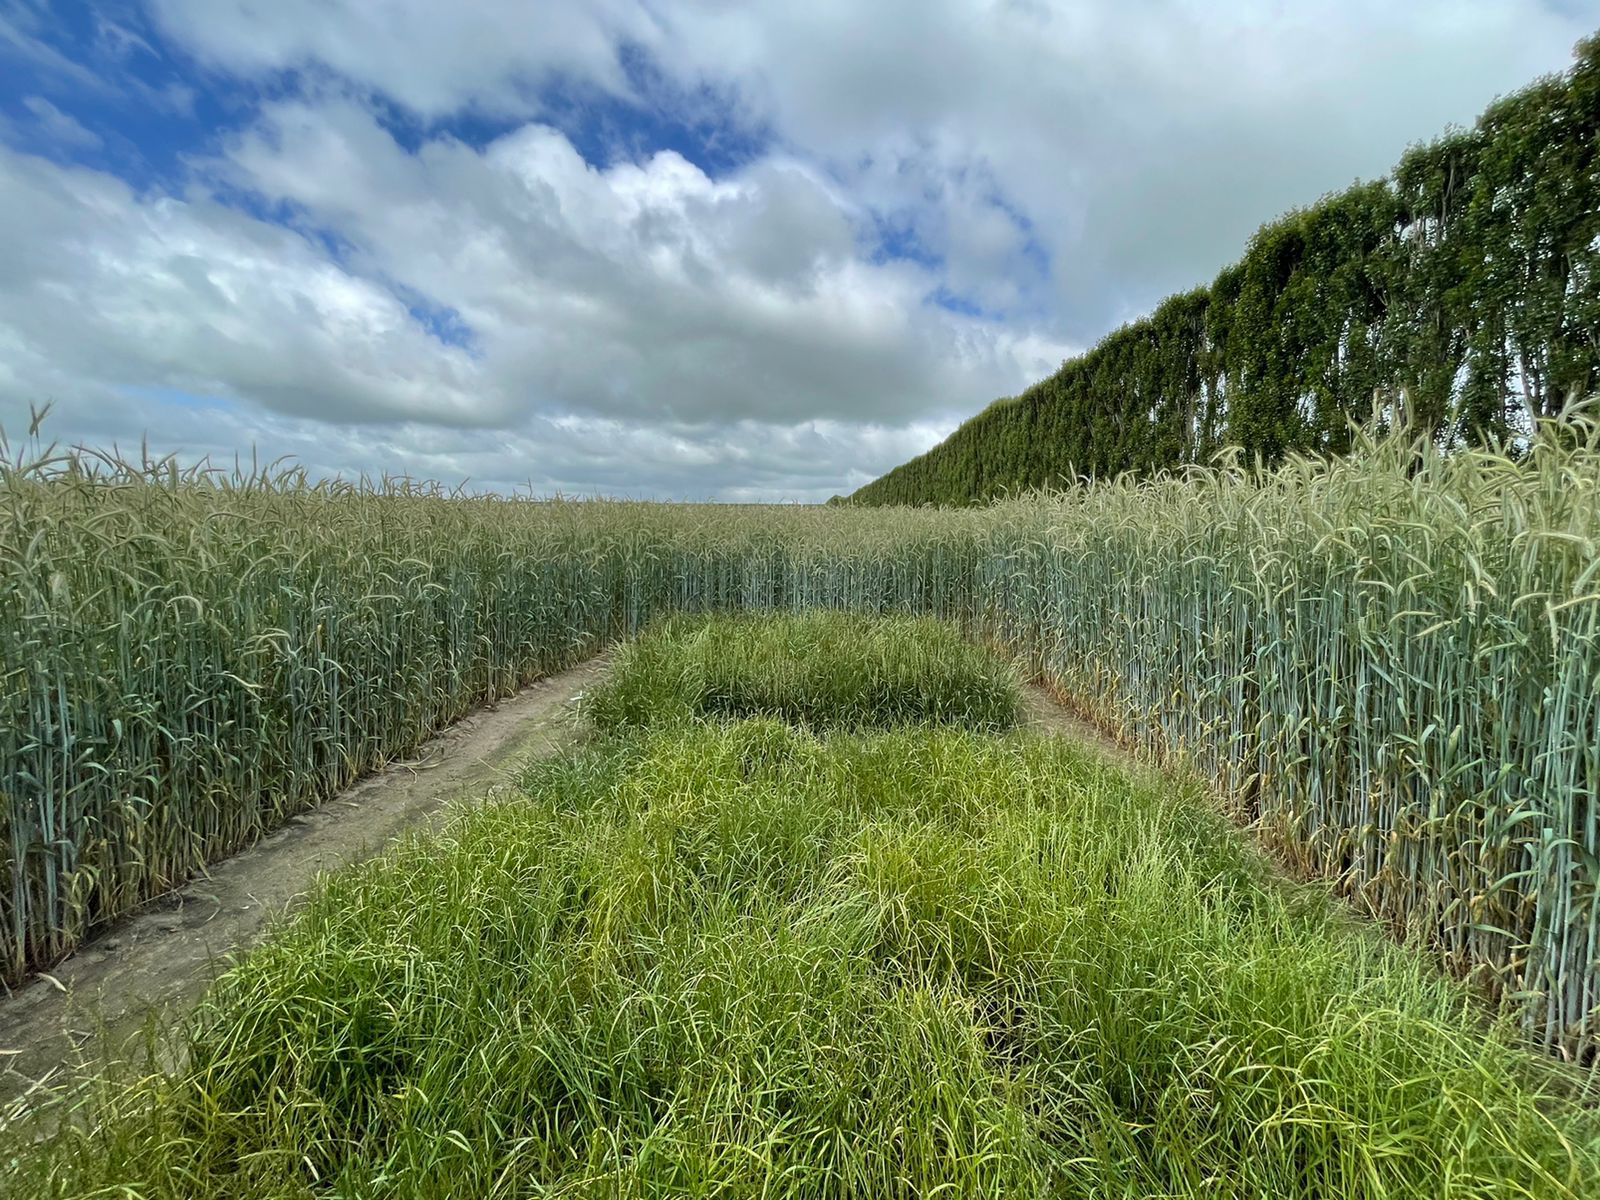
{"x": 820, "y": 669}
{"x": 736, "y": 959}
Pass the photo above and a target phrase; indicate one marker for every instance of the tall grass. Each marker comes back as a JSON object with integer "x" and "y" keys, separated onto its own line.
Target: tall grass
{"x": 735, "y": 959}
{"x": 824, "y": 670}
{"x": 1393, "y": 660}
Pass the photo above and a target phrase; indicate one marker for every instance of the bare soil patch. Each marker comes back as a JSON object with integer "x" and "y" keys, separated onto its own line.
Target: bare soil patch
{"x": 1045, "y": 710}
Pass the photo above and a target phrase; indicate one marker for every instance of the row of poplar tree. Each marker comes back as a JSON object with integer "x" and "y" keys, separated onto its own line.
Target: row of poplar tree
{"x": 1460, "y": 294}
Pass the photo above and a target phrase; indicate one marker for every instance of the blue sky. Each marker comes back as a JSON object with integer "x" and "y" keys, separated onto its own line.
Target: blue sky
{"x": 676, "y": 249}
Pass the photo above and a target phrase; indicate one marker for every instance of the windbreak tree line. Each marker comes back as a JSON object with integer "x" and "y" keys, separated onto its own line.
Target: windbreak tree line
{"x": 1460, "y": 296}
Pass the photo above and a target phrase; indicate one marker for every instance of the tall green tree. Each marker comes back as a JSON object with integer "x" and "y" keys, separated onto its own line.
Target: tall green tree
{"x": 1461, "y": 293}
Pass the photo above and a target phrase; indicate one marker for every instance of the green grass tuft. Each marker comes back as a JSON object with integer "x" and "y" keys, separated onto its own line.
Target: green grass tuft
{"x": 735, "y": 959}
{"x": 820, "y": 669}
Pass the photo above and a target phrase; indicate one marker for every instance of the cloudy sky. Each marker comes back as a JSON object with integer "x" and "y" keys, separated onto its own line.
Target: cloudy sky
{"x": 689, "y": 249}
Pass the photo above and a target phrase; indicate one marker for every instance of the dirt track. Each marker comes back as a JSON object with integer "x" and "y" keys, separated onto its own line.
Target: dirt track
{"x": 157, "y": 961}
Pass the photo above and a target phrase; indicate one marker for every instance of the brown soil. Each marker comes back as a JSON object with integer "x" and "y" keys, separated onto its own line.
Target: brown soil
{"x": 1044, "y": 710}
{"x": 155, "y": 963}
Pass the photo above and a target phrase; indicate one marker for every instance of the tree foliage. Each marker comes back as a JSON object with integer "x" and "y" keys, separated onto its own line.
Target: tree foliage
{"x": 1460, "y": 294}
